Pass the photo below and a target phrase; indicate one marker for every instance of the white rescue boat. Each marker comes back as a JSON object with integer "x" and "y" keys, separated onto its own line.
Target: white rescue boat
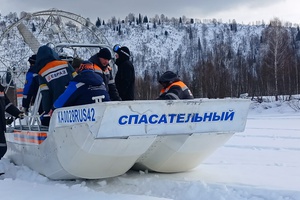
{"x": 106, "y": 139}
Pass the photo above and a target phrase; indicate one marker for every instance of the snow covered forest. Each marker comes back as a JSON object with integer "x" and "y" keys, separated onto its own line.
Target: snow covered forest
{"x": 215, "y": 59}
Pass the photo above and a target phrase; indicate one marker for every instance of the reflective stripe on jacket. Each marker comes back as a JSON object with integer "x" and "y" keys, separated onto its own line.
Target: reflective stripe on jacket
{"x": 176, "y": 90}
{"x": 53, "y": 78}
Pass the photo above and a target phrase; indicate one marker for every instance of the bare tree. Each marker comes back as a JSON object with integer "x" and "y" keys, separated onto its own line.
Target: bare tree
{"x": 277, "y": 52}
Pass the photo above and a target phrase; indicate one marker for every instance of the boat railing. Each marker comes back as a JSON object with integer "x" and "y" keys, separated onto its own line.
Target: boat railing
{"x": 32, "y": 120}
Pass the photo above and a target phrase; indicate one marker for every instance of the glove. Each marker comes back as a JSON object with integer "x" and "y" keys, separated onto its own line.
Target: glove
{"x": 9, "y": 120}
{"x": 21, "y": 115}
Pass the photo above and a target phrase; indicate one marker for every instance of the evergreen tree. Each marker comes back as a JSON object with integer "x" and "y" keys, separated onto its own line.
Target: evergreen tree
{"x": 154, "y": 25}
{"x": 233, "y": 26}
{"x": 33, "y": 28}
{"x": 298, "y": 34}
{"x": 166, "y": 33}
{"x": 140, "y": 18}
{"x": 119, "y": 30}
{"x": 98, "y": 22}
{"x": 145, "y": 19}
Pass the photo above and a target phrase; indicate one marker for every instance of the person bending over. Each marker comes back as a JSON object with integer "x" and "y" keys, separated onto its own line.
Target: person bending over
{"x": 86, "y": 85}
{"x": 173, "y": 87}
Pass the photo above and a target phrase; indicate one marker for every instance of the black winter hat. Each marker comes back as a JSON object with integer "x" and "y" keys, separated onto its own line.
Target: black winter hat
{"x": 32, "y": 59}
{"x": 104, "y": 53}
{"x": 167, "y": 77}
{"x": 124, "y": 50}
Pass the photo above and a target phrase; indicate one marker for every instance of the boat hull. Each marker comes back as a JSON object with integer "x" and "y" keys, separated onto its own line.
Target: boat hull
{"x": 107, "y": 139}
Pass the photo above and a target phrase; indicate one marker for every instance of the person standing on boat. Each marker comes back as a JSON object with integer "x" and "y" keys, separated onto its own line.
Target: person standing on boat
{"x": 101, "y": 65}
{"x": 125, "y": 76}
{"x": 54, "y": 76}
{"x": 31, "y": 85}
{"x": 6, "y": 106}
{"x": 86, "y": 85}
{"x": 173, "y": 87}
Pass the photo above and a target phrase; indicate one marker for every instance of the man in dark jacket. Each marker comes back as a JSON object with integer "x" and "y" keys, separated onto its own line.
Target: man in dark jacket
{"x": 54, "y": 76}
{"x": 173, "y": 87}
{"x": 31, "y": 85}
{"x": 125, "y": 76}
{"x": 101, "y": 65}
{"x": 86, "y": 85}
{"x": 6, "y": 106}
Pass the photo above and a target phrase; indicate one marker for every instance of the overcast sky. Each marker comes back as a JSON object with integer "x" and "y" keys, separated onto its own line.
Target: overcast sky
{"x": 245, "y": 11}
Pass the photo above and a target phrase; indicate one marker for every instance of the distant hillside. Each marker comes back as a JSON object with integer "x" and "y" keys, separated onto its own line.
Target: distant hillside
{"x": 215, "y": 59}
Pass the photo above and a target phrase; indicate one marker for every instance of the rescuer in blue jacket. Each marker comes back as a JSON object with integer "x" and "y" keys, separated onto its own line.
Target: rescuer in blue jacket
{"x": 31, "y": 85}
{"x": 82, "y": 88}
{"x": 54, "y": 75}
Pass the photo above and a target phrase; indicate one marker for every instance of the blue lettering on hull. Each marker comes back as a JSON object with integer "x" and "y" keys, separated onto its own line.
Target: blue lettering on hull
{"x": 88, "y": 115}
{"x": 176, "y": 118}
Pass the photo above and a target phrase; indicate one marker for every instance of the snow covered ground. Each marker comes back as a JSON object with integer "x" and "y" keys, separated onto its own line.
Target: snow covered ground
{"x": 261, "y": 163}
